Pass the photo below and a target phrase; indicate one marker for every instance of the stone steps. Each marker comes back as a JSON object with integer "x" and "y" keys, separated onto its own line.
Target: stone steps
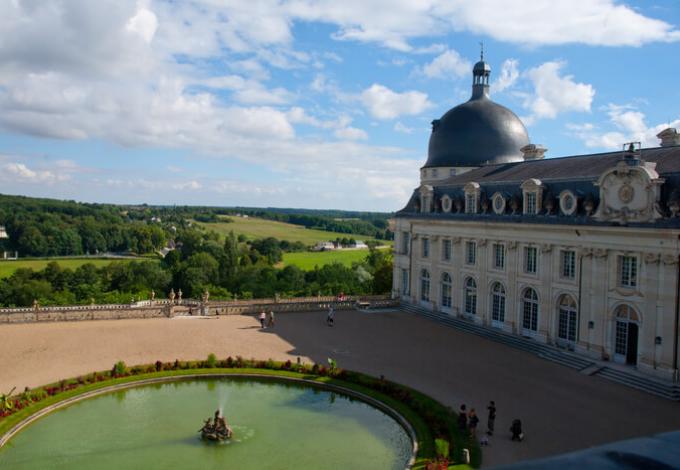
{"x": 551, "y": 353}
{"x": 649, "y": 385}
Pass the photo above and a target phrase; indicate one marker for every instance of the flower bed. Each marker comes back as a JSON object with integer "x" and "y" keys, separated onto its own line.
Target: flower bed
{"x": 430, "y": 419}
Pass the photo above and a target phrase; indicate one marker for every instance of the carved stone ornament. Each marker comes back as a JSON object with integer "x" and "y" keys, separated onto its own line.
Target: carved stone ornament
{"x": 434, "y": 238}
{"x": 455, "y": 240}
{"x": 482, "y": 242}
{"x": 587, "y": 252}
{"x": 652, "y": 258}
{"x": 626, "y": 193}
{"x": 512, "y": 245}
{"x": 670, "y": 259}
{"x": 600, "y": 253}
{"x": 546, "y": 248}
{"x": 629, "y": 192}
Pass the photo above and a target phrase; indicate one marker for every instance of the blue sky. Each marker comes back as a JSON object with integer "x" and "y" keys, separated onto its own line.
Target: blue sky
{"x": 306, "y": 103}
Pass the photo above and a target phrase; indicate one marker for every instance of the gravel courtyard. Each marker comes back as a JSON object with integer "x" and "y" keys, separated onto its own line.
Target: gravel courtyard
{"x": 561, "y": 409}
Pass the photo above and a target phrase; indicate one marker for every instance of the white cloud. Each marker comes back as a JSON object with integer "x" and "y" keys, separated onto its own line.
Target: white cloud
{"x": 507, "y": 77}
{"x": 554, "y": 94}
{"x": 399, "y": 127}
{"x": 351, "y": 133}
{"x": 384, "y": 103}
{"x": 629, "y": 126}
{"x": 20, "y": 172}
{"x": 447, "y": 64}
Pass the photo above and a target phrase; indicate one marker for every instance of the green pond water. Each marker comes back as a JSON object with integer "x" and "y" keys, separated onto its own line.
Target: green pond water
{"x": 277, "y": 425}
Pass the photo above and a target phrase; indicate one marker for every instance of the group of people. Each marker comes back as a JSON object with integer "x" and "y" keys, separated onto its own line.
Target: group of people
{"x": 468, "y": 422}
{"x": 267, "y": 319}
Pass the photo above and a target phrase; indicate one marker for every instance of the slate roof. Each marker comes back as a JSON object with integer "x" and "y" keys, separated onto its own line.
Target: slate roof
{"x": 576, "y": 173}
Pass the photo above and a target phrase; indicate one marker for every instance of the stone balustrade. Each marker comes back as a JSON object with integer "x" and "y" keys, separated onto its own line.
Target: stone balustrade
{"x": 166, "y": 308}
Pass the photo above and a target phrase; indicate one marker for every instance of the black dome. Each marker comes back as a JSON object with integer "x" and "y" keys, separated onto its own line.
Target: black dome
{"x": 477, "y": 132}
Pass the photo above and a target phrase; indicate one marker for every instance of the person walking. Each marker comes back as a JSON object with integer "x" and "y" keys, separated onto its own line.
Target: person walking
{"x": 492, "y": 417}
{"x": 263, "y": 317}
{"x": 473, "y": 421}
{"x": 462, "y": 418}
{"x": 330, "y": 318}
{"x": 271, "y": 318}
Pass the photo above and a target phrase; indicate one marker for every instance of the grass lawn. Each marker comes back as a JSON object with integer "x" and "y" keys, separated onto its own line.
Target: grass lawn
{"x": 253, "y": 228}
{"x": 7, "y": 268}
{"x": 306, "y": 260}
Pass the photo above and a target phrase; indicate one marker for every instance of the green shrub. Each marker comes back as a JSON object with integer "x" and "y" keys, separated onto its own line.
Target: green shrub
{"x": 211, "y": 362}
{"x": 119, "y": 369}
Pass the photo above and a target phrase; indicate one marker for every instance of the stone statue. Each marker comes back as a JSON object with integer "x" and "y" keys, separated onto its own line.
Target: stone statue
{"x": 179, "y": 296}
{"x": 153, "y": 295}
{"x": 171, "y": 296}
{"x": 36, "y": 305}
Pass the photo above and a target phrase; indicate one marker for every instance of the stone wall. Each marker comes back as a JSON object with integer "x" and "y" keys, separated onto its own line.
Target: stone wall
{"x": 166, "y": 309}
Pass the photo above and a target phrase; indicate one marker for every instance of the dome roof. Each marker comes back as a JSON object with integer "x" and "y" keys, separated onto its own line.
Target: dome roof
{"x": 477, "y": 132}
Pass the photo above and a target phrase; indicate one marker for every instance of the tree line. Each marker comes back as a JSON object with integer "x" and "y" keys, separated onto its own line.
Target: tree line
{"x": 227, "y": 269}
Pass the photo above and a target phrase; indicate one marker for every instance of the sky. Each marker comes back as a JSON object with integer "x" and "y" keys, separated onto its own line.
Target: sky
{"x": 309, "y": 104}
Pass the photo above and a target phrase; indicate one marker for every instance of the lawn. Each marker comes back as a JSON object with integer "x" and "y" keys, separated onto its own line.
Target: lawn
{"x": 308, "y": 259}
{"x": 253, "y": 228}
{"x": 7, "y": 268}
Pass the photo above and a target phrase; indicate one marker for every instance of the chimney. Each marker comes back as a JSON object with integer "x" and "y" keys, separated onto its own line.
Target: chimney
{"x": 533, "y": 152}
{"x": 669, "y": 137}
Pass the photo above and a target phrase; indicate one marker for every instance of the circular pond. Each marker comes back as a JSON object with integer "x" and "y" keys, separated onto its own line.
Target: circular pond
{"x": 276, "y": 425}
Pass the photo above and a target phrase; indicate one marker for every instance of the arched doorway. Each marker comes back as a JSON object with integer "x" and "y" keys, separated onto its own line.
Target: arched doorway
{"x": 626, "y": 329}
{"x": 567, "y": 320}
{"x": 497, "y": 304}
{"x": 530, "y": 312}
{"x": 446, "y": 290}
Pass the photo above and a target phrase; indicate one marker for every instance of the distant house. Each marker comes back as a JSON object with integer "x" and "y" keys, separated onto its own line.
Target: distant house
{"x": 324, "y": 246}
{"x": 3, "y": 232}
{"x": 360, "y": 244}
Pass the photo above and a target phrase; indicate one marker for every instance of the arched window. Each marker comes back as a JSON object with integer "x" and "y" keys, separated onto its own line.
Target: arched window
{"x": 470, "y": 296}
{"x": 530, "y": 310}
{"x": 567, "y": 319}
{"x": 497, "y": 303}
{"x": 425, "y": 285}
{"x": 446, "y": 290}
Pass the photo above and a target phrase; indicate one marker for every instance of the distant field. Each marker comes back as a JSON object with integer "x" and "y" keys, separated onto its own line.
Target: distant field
{"x": 252, "y": 227}
{"x": 308, "y": 259}
{"x": 7, "y": 268}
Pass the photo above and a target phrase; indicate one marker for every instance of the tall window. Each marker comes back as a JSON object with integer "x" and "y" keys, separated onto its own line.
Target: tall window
{"x": 425, "y": 285}
{"x": 530, "y": 259}
{"x": 405, "y": 242}
{"x": 530, "y": 310}
{"x": 498, "y": 303}
{"x": 530, "y": 203}
{"x": 470, "y": 252}
{"x": 470, "y": 296}
{"x": 628, "y": 271}
{"x": 425, "y": 246}
{"x": 566, "y": 328}
{"x": 498, "y": 256}
{"x": 446, "y": 290}
{"x": 568, "y": 262}
{"x": 405, "y": 288}
{"x": 470, "y": 203}
{"x": 446, "y": 250}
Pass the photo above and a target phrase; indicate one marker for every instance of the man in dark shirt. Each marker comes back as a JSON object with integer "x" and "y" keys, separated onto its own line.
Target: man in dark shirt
{"x": 492, "y": 417}
{"x": 462, "y": 418}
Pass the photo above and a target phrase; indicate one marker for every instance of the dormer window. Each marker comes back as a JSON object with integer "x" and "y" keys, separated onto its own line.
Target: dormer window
{"x": 567, "y": 202}
{"x": 472, "y": 198}
{"x": 530, "y": 203}
{"x": 498, "y": 202}
{"x": 446, "y": 203}
{"x": 532, "y": 190}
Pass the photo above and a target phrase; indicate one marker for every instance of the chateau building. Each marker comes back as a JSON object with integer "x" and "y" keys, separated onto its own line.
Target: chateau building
{"x": 581, "y": 252}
